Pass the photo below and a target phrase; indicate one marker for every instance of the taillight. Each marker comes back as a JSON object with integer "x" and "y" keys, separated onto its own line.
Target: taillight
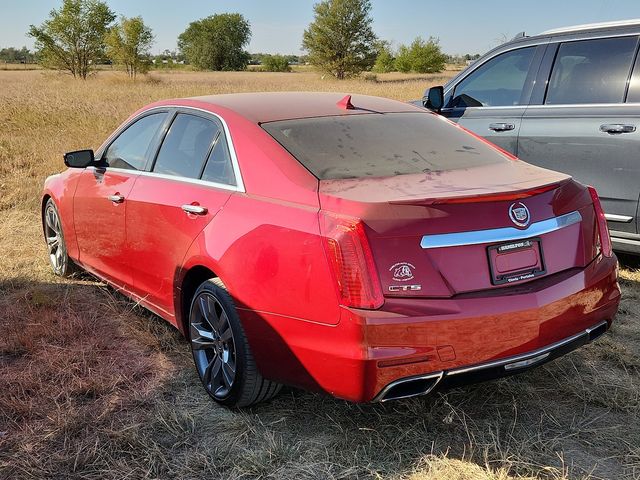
{"x": 351, "y": 261}
{"x": 603, "y": 230}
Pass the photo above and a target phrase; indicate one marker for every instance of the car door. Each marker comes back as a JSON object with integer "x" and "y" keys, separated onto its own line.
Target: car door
{"x": 100, "y": 199}
{"x": 580, "y": 124}
{"x": 190, "y": 180}
{"x": 492, "y": 98}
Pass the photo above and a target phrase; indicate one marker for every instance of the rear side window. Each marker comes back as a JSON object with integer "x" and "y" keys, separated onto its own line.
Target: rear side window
{"x": 380, "y": 145}
{"x": 591, "y": 71}
{"x": 131, "y": 149}
{"x": 186, "y": 146}
{"x": 219, "y": 168}
{"x": 497, "y": 83}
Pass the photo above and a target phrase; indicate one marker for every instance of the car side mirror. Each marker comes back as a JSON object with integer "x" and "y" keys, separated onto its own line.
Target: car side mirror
{"x": 79, "y": 158}
{"x": 433, "y": 98}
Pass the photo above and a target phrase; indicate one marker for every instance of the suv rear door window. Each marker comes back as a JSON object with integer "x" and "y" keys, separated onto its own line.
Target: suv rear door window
{"x": 591, "y": 71}
{"x": 186, "y": 146}
{"x": 497, "y": 83}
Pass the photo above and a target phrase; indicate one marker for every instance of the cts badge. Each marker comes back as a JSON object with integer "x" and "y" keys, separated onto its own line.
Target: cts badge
{"x": 404, "y": 288}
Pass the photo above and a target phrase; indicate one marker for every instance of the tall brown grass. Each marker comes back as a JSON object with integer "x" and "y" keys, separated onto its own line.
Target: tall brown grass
{"x": 93, "y": 387}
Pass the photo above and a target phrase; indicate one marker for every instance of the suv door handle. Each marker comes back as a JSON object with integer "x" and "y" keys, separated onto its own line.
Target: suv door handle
{"x": 117, "y": 198}
{"x": 614, "y": 128}
{"x": 501, "y": 127}
{"x": 195, "y": 209}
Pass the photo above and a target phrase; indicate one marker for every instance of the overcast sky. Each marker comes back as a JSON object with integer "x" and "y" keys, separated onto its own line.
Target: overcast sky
{"x": 463, "y": 26}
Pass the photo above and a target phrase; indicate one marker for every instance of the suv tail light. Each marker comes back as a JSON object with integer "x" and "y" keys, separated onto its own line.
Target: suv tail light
{"x": 351, "y": 261}
{"x": 603, "y": 230}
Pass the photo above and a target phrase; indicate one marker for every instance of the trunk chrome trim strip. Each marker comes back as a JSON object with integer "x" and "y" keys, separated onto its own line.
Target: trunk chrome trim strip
{"x": 504, "y": 234}
{"x": 612, "y": 217}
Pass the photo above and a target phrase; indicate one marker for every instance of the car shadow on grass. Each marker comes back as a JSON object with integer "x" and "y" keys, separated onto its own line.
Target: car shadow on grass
{"x": 92, "y": 385}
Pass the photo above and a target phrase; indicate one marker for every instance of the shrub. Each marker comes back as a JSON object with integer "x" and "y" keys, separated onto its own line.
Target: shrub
{"x": 421, "y": 57}
{"x": 385, "y": 62}
{"x": 403, "y": 59}
{"x": 275, "y": 63}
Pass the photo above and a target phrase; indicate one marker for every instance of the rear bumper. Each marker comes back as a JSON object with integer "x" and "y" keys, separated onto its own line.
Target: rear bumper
{"x": 423, "y": 384}
{"x": 455, "y": 340}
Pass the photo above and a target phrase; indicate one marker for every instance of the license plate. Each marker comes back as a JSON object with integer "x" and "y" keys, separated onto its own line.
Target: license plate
{"x": 516, "y": 261}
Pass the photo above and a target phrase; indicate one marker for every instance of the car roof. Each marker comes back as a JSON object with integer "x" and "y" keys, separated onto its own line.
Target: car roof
{"x": 273, "y": 106}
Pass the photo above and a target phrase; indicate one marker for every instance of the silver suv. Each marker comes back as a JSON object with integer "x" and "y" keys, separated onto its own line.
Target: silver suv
{"x": 568, "y": 100}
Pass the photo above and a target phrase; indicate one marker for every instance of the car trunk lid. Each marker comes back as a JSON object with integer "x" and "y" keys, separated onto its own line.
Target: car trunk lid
{"x": 454, "y": 232}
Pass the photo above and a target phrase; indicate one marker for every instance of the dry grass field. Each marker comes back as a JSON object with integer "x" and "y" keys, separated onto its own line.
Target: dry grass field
{"x": 92, "y": 386}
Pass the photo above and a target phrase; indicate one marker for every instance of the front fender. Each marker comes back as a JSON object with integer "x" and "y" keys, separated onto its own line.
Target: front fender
{"x": 61, "y": 189}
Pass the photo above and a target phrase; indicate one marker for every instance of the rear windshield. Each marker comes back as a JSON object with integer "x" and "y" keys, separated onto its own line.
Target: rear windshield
{"x": 379, "y": 145}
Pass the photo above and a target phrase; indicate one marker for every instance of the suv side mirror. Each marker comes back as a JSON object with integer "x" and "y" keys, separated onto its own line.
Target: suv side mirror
{"x": 433, "y": 98}
{"x": 79, "y": 158}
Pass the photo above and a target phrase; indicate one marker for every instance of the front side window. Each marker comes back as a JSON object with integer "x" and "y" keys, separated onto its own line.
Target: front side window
{"x": 497, "y": 83}
{"x": 131, "y": 149}
{"x": 185, "y": 148}
{"x": 591, "y": 71}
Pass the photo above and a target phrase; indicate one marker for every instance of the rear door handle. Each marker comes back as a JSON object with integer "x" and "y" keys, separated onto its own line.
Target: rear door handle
{"x": 614, "y": 128}
{"x": 195, "y": 209}
{"x": 501, "y": 127}
{"x": 117, "y": 198}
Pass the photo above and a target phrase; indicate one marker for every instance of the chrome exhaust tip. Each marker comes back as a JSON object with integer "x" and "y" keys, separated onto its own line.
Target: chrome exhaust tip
{"x": 410, "y": 387}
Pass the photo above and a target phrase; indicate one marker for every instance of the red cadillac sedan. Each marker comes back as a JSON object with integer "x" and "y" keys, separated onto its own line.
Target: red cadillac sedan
{"x": 354, "y": 245}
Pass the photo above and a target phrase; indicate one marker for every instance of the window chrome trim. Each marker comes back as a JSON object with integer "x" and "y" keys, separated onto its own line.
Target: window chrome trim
{"x": 175, "y": 178}
{"x": 504, "y": 234}
{"x": 239, "y": 187}
{"x": 552, "y": 105}
{"x": 612, "y": 217}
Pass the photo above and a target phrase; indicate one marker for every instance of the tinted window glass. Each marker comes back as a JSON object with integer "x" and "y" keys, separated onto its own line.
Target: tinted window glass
{"x": 185, "y": 147}
{"x": 219, "y": 168}
{"x": 591, "y": 71}
{"x": 380, "y": 145}
{"x": 633, "y": 95}
{"x": 497, "y": 83}
{"x": 130, "y": 150}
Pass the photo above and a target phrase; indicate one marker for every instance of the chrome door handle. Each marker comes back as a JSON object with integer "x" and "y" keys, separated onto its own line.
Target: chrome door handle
{"x": 195, "y": 209}
{"x": 116, "y": 198}
{"x": 614, "y": 128}
{"x": 501, "y": 127}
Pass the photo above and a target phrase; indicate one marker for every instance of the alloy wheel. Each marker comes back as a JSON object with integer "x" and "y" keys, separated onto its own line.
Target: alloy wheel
{"x": 213, "y": 345}
{"x": 55, "y": 240}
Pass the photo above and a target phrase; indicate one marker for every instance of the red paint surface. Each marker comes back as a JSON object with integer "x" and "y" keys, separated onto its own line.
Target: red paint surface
{"x": 266, "y": 245}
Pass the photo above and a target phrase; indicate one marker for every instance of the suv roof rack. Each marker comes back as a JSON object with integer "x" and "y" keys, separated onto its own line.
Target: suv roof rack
{"x": 593, "y": 26}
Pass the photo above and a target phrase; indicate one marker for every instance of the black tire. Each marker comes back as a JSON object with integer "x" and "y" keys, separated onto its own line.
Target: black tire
{"x": 221, "y": 351}
{"x": 59, "y": 259}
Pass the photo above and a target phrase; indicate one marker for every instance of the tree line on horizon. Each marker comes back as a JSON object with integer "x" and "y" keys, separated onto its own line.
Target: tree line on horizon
{"x": 339, "y": 41}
